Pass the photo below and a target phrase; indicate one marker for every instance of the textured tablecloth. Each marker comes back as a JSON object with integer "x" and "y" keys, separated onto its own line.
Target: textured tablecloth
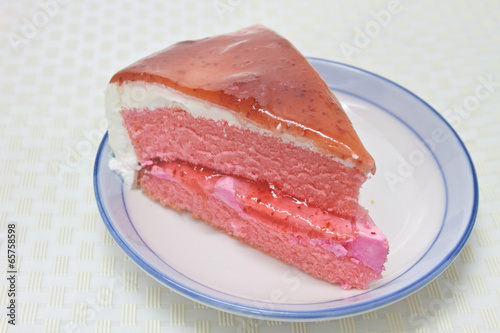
{"x": 55, "y": 60}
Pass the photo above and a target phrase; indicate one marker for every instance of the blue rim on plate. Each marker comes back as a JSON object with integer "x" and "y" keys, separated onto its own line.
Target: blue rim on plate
{"x": 452, "y": 158}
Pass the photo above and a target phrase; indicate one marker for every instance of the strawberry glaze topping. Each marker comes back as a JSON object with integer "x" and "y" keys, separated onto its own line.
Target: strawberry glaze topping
{"x": 264, "y": 80}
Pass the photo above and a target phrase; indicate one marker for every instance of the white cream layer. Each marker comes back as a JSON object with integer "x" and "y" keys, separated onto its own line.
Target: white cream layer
{"x": 143, "y": 95}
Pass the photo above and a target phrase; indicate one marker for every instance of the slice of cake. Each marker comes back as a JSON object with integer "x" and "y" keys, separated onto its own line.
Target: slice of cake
{"x": 241, "y": 131}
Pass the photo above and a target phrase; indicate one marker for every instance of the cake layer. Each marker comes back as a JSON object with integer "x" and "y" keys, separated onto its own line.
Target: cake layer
{"x": 173, "y": 134}
{"x": 351, "y": 253}
{"x": 143, "y": 95}
{"x": 261, "y": 77}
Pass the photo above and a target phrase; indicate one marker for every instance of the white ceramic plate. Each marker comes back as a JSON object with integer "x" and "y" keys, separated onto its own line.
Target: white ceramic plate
{"x": 424, "y": 197}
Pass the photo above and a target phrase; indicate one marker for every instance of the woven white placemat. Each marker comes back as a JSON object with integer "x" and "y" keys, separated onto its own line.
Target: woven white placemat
{"x": 55, "y": 60}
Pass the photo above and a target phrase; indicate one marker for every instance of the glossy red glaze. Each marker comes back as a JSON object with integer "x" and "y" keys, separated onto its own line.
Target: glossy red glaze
{"x": 261, "y": 77}
{"x": 258, "y": 200}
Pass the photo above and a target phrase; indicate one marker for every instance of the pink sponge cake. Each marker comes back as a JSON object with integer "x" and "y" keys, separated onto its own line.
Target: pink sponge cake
{"x": 241, "y": 131}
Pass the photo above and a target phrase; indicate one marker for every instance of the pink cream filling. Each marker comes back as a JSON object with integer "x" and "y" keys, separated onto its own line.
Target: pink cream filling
{"x": 359, "y": 240}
